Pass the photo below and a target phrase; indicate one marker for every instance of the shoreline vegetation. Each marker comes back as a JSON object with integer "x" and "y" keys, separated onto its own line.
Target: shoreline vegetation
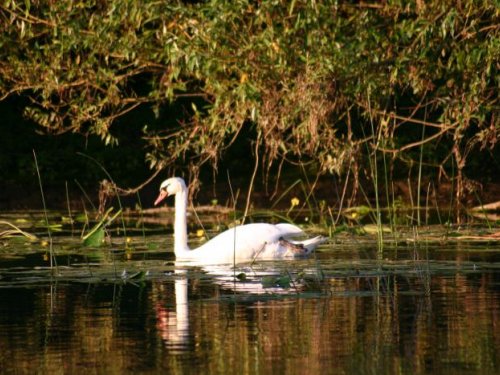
{"x": 336, "y": 104}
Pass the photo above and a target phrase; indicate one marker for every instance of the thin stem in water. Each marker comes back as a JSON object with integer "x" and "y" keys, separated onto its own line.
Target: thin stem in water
{"x": 53, "y": 261}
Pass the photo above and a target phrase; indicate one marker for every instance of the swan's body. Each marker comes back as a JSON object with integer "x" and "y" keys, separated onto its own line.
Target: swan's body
{"x": 239, "y": 244}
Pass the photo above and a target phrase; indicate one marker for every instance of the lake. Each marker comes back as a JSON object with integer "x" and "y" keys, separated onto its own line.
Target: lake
{"x": 419, "y": 305}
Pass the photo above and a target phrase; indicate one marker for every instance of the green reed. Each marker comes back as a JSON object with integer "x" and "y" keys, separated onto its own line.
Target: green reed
{"x": 114, "y": 188}
{"x": 53, "y": 261}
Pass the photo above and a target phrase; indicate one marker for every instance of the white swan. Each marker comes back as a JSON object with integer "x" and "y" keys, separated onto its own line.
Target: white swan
{"x": 239, "y": 244}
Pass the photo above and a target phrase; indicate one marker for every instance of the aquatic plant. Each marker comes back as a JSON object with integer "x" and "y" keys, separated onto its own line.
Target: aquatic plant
{"x": 14, "y": 230}
{"x": 95, "y": 236}
{"x": 53, "y": 261}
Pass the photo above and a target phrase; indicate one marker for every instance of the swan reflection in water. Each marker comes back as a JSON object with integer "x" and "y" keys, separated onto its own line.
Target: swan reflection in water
{"x": 173, "y": 326}
{"x": 240, "y": 282}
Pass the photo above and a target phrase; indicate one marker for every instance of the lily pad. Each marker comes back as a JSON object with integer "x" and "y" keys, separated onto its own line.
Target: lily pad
{"x": 276, "y": 281}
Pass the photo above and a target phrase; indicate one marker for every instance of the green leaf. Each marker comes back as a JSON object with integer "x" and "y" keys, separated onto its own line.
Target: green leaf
{"x": 95, "y": 238}
{"x": 96, "y": 235}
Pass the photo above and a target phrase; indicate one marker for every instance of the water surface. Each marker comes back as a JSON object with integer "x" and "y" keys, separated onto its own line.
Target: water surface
{"x": 128, "y": 307}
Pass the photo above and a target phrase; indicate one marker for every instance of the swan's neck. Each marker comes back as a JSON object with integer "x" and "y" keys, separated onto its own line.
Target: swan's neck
{"x": 180, "y": 225}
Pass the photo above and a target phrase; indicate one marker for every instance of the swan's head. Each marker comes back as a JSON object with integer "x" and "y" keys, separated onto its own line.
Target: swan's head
{"x": 169, "y": 187}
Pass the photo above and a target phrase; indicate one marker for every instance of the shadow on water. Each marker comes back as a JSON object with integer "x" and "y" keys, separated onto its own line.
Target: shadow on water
{"x": 129, "y": 307}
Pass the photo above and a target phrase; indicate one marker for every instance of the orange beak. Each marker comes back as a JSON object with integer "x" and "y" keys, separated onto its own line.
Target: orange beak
{"x": 162, "y": 196}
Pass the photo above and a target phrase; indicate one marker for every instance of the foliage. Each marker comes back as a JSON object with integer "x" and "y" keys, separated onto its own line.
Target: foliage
{"x": 324, "y": 84}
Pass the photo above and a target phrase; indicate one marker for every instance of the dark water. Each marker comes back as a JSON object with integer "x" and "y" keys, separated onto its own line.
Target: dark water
{"x": 353, "y": 309}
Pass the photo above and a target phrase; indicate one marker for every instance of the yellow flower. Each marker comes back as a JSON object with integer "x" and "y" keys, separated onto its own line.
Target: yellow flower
{"x": 295, "y": 201}
{"x": 200, "y": 233}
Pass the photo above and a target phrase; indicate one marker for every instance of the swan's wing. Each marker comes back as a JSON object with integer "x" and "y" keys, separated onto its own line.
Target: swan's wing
{"x": 248, "y": 242}
{"x": 289, "y": 230}
{"x": 243, "y": 242}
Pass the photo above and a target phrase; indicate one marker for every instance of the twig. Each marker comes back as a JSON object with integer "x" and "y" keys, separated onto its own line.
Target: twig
{"x": 418, "y": 143}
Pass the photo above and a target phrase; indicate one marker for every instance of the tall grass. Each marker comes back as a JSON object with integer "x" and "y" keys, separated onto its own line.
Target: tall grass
{"x": 252, "y": 179}
{"x": 234, "y": 219}
{"x": 372, "y": 161}
{"x": 450, "y": 208}
{"x": 387, "y": 195}
{"x": 53, "y": 260}
{"x": 70, "y": 216}
{"x": 114, "y": 188}
{"x": 85, "y": 195}
{"x": 308, "y": 193}
{"x": 483, "y": 210}
{"x": 419, "y": 182}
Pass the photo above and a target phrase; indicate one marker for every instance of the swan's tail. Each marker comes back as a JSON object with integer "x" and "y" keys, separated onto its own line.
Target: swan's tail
{"x": 304, "y": 247}
{"x": 311, "y": 243}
